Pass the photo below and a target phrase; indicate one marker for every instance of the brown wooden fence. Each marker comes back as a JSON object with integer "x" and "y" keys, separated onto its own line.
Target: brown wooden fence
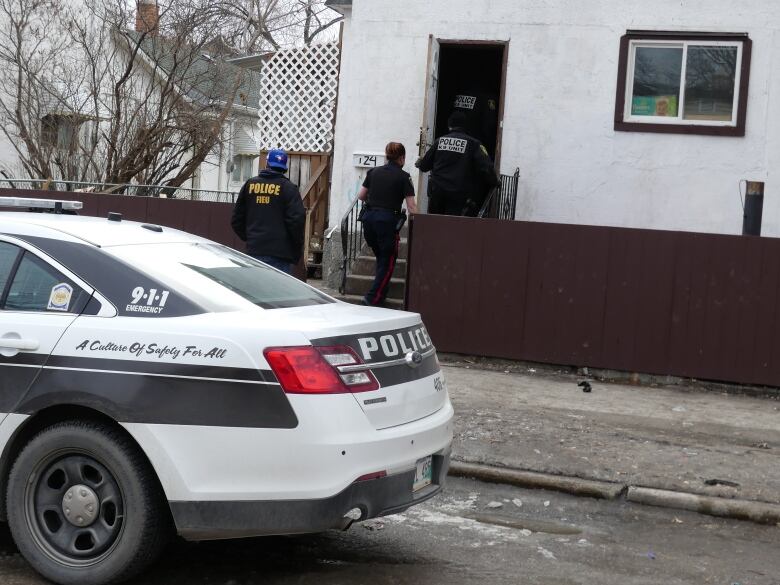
{"x": 686, "y": 304}
{"x": 204, "y": 218}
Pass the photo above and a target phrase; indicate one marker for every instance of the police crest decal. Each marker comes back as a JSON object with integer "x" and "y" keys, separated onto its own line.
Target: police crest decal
{"x": 59, "y": 299}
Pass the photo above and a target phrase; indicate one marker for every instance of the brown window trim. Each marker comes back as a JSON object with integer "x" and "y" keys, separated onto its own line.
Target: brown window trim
{"x": 620, "y": 98}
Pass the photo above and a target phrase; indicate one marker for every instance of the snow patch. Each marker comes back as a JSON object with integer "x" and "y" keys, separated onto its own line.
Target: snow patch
{"x": 546, "y": 553}
{"x": 488, "y": 531}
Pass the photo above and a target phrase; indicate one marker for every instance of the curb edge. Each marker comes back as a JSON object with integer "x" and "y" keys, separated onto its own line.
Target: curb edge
{"x": 533, "y": 479}
{"x": 757, "y": 512}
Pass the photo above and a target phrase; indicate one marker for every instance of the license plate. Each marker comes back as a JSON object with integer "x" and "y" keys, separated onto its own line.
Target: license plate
{"x": 423, "y": 476}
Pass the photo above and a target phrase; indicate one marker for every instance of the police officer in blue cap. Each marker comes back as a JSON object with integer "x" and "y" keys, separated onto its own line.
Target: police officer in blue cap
{"x": 269, "y": 215}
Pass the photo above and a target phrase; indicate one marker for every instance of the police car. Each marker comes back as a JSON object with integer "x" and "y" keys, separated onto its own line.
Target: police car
{"x": 152, "y": 381}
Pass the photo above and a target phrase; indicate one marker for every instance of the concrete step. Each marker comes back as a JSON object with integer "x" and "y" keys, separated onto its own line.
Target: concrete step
{"x": 358, "y": 300}
{"x": 403, "y": 249}
{"x": 358, "y": 284}
{"x": 365, "y": 265}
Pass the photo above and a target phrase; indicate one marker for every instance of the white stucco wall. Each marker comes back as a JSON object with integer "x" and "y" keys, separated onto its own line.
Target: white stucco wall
{"x": 559, "y": 109}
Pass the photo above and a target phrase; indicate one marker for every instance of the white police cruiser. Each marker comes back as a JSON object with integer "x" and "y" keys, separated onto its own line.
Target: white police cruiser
{"x": 152, "y": 381}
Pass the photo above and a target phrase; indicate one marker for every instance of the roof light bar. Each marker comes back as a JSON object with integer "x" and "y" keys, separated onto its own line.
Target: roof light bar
{"x": 30, "y": 203}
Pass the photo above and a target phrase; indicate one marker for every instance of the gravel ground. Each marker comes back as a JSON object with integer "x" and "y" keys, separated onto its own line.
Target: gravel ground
{"x": 669, "y": 438}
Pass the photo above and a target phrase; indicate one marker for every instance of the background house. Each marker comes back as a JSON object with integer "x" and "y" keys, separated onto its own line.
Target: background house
{"x": 210, "y": 78}
{"x": 621, "y": 114}
{"x": 188, "y": 109}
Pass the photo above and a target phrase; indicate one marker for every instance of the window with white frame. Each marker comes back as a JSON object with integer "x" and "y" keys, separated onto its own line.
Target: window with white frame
{"x": 243, "y": 168}
{"x": 60, "y": 132}
{"x": 672, "y": 83}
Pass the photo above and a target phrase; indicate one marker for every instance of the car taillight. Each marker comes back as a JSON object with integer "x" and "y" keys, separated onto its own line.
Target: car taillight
{"x": 316, "y": 370}
{"x": 370, "y": 476}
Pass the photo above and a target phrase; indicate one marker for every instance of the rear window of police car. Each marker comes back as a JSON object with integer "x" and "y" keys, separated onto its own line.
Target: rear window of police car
{"x": 8, "y": 255}
{"x": 36, "y": 286}
{"x": 205, "y": 272}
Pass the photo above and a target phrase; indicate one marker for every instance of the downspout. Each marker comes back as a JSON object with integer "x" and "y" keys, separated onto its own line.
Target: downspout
{"x": 223, "y": 169}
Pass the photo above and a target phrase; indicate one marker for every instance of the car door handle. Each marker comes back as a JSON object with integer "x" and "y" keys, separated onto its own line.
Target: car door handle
{"x": 19, "y": 344}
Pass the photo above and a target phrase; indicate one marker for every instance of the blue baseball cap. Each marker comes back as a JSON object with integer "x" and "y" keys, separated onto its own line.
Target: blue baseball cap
{"x": 277, "y": 159}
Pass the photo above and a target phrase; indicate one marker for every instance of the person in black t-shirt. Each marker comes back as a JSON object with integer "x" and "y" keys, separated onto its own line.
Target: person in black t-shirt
{"x": 384, "y": 191}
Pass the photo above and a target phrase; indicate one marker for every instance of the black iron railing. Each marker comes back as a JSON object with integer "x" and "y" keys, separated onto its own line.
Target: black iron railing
{"x": 130, "y": 190}
{"x": 351, "y": 240}
{"x": 501, "y": 203}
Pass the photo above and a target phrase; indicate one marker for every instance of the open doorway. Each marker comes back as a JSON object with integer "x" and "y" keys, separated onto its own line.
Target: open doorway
{"x": 470, "y": 79}
{"x": 469, "y": 75}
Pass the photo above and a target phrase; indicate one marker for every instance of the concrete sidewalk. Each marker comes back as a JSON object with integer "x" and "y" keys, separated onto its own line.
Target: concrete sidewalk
{"x": 672, "y": 439}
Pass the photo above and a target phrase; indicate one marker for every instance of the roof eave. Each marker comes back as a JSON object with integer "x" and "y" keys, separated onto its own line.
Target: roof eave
{"x": 340, "y": 6}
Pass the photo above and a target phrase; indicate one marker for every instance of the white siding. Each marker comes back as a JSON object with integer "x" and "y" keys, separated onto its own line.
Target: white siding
{"x": 560, "y": 101}
{"x": 9, "y": 161}
{"x": 213, "y": 174}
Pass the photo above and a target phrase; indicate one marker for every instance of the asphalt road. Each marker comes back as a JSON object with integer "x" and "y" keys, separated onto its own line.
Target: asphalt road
{"x": 458, "y": 538}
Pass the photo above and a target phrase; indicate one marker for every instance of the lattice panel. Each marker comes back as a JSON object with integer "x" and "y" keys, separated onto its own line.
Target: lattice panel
{"x": 298, "y": 99}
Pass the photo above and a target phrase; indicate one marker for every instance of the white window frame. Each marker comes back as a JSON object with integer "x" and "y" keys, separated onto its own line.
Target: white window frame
{"x": 242, "y": 158}
{"x": 235, "y": 169}
{"x": 679, "y": 120}
{"x": 248, "y": 165}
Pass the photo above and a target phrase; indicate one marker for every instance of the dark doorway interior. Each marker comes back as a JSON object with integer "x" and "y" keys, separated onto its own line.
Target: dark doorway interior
{"x": 472, "y": 71}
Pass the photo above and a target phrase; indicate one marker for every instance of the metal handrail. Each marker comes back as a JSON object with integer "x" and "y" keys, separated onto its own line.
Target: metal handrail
{"x": 351, "y": 240}
{"x": 131, "y": 190}
{"x": 501, "y": 203}
{"x": 502, "y": 200}
{"x": 488, "y": 201}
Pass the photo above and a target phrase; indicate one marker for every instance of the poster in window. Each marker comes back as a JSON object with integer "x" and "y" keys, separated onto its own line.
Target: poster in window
{"x": 661, "y": 105}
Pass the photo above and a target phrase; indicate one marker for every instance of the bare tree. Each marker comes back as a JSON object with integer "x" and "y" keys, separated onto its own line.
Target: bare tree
{"x": 86, "y": 98}
{"x": 26, "y": 97}
{"x": 317, "y": 19}
{"x": 257, "y": 25}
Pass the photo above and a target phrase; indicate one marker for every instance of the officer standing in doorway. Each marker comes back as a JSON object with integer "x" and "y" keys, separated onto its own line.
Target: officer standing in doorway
{"x": 461, "y": 170}
{"x": 269, "y": 215}
{"x": 481, "y": 111}
{"x": 384, "y": 191}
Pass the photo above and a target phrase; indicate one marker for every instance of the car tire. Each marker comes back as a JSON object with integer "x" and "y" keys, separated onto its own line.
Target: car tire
{"x": 84, "y": 506}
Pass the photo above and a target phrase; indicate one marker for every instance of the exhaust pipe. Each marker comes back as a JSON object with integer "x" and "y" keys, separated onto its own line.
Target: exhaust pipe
{"x": 350, "y": 518}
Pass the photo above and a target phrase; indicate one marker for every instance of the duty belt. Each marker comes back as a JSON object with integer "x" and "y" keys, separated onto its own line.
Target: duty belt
{"x": 373, "y": 207}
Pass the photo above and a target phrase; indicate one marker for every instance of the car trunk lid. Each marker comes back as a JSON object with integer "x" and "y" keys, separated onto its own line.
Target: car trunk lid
{"x": 393, "y": 345}
{"x": 403, "y": 360}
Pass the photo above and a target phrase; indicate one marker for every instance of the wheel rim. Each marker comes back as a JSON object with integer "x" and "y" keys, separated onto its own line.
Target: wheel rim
{"x": 74, "y": 508}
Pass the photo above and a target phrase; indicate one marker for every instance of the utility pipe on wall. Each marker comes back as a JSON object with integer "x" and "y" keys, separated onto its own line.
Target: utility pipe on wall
{"x": 754, "y": 207}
